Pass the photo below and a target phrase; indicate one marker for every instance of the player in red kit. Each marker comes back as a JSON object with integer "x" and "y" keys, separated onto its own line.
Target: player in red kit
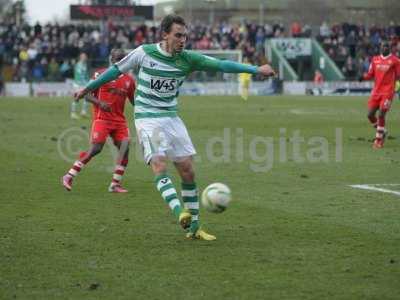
{"x": 384, "y": 68}
{"x": 108, "y": 120}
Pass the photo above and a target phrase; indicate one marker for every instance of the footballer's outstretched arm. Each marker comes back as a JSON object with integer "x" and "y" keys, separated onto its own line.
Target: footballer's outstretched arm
{"x": 228, "y": 66}
{"x": 205, "y": 63}
{"x": 129, "y": 62}
{"x": 110, "y": 74}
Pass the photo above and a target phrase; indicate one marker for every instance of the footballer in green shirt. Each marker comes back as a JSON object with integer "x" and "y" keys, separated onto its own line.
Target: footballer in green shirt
{"x": 160, "y": 70}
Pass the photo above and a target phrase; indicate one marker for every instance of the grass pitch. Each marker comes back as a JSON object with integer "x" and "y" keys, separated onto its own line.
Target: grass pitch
{"x": 295, "y": 229}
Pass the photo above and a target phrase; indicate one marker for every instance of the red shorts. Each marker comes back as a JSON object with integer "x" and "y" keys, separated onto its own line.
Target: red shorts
{"x": 383, "y": 102}
{"x": 101, "y": 129}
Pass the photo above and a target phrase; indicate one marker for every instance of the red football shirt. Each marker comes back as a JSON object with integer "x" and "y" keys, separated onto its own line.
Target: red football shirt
{"x": 385, "y": 70}
{"x": 114, "y": 93}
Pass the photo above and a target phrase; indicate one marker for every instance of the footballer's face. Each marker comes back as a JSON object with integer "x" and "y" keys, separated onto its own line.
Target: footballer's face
{"x": 176, "y": 38}
{"x": 385, "y": 49}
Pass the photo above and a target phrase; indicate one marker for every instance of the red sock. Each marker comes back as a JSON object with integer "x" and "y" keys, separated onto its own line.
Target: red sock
{"x": 84, "y": 157}
{"x": 379, "y": 133}
{"x": 119, "y": 172}
{"x": 79, "y": 164}
{"x": 380, "y": 130}
{"x": 381, "y": 121}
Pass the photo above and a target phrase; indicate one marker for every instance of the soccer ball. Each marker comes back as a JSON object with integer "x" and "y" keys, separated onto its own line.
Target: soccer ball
{"x": 216, "y": 197}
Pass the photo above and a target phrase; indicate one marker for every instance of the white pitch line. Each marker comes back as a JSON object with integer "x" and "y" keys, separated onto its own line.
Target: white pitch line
{"x": 373, "y": 188}
{"x": 308, "y": 112}
{"x": 390, "y": 184}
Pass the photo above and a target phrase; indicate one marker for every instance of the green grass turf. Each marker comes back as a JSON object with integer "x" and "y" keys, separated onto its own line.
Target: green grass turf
{"x": 296, "y": 232}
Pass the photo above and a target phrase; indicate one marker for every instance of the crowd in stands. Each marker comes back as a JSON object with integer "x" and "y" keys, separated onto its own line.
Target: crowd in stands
{"x": 351, "y": 46}
{"x": 48, "y": 52}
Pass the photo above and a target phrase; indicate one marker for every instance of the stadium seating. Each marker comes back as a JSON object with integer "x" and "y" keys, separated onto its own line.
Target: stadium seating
{"x": 48, "y": 52}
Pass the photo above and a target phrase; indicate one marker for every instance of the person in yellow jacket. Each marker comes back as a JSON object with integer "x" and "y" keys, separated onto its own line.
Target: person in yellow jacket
{"x": 244, "y": 81}
{"x": 397, "y": 88}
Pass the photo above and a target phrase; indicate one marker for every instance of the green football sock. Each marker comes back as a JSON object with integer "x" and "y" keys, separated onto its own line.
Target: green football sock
{"x": 168, "y": 193}
{"x": 85, "y": 105}
{"x": 191, "y": 202}
{"x": 74, "y": 106}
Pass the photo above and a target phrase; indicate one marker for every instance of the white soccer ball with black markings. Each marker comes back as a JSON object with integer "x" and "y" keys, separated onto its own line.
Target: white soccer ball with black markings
{"x": 216, "y": 197}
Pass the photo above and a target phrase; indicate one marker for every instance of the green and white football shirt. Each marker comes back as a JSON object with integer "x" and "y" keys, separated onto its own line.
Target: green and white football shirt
{"x": 159, "y": 76}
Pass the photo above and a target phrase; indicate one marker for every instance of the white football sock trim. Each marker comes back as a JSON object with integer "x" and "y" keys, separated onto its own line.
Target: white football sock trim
{"x": 168, "y": 192}
{"x": 189, "y": 193}
{"x": 192, "y": 205}
{"x": 174, "y": 203}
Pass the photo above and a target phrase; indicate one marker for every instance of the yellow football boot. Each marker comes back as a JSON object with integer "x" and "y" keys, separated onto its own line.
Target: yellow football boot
{"x": 200, "y": 235}
{"x": 185, "y": 218}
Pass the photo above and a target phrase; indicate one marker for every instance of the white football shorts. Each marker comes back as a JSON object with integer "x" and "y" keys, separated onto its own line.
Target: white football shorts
{"x": 166, "y": 136}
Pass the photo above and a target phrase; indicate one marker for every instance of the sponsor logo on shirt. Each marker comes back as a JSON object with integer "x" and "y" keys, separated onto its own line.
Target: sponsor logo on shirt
{"x": 383, "y": 67}
{"x": 164, "y": 85}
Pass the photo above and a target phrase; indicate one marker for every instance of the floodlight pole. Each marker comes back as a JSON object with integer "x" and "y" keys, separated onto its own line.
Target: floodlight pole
{"x": 261, "y": 12}
{"x": 18, "y": 13}
{"x": 189, "y": 10}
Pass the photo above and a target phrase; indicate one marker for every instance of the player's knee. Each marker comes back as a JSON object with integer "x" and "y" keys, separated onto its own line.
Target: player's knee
{"x": 121, "y": 144}
{"x": 123, "y": 147}
{"x": 371, "y": 114}
{"x": 188, "y": 176}
{"x": 96, "y": 149}
{"x": 159, "y": 165}
{"x": 187, "y": 173}
{"x": 94, "y": 152}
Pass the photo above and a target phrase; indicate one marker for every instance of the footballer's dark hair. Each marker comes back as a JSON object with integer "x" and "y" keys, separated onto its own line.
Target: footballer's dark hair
{"x": 169, "y": 20}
